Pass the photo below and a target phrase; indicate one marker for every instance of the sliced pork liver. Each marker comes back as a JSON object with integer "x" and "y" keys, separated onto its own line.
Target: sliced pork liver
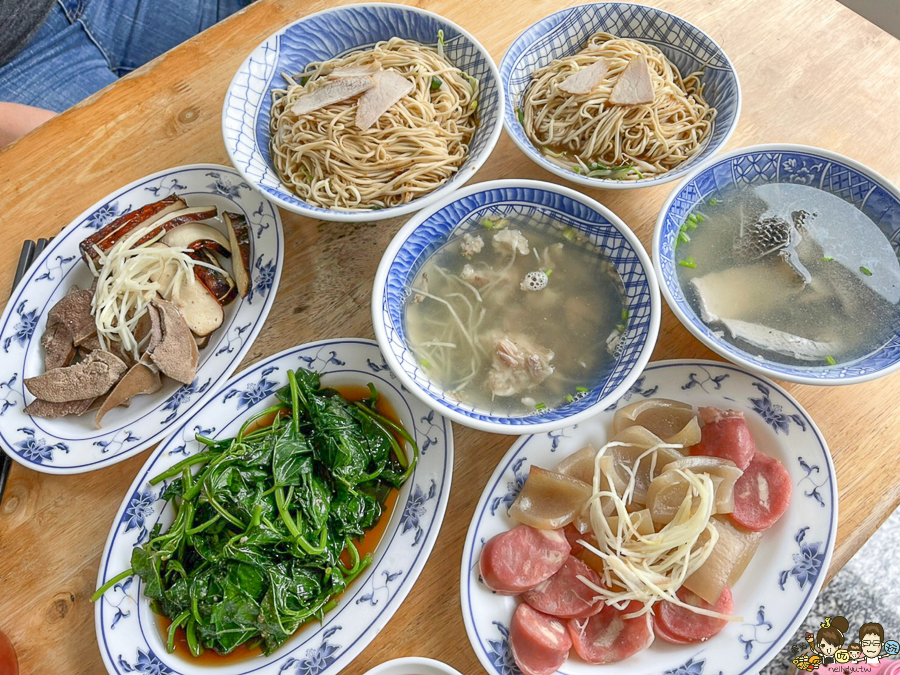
{"x": 48, "y": 410}
{"x": 176, "y": 355}
{"x": 91, "y": 378}
{"x": 58, "y": 347}
{"x": 74, "y": 312}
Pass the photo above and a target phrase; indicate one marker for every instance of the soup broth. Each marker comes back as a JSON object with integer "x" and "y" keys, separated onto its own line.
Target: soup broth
{"x": 517, "y": 315}
{"x": 790, "y": 273}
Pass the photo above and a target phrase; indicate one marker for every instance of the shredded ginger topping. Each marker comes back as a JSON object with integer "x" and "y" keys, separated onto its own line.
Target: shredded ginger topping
{"x": 649, "y": 568}
{"x": 129, "y": 276}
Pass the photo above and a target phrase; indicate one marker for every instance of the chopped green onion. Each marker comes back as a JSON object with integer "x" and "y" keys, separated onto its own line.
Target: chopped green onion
{"x": 625, "y": 314}
{"x": 473, "y": 105}
{"x": 307, "y": 175}
{"x": 688, "y": 262}
{"x": 569, "y": 398}
{"x": 520, "y": 114}
{"x": 436, "y": 83}
{"x": 830, "y": 360}
{"x": 540, "y": 406}
{"x": 712, "y": 201}
{"x": 582, "y": 390}
{"x": 866, "y": 271}
{"x": 693, "y": 218}
{"x": 441, "y": 37}
{"x": 683, "y": 236}
{"x": 304, "y": 80}
{"x": 569, "y": 234}
{"x": 699, "y": 216}
{"x": 577, "y": 169}
{"x": 549, "y": 272}
{"x": 426, "y": 363}
{"x": 827, "y": 258}
{"x": 690, "y": 226}
{"x": 488, "y": 223}
{"x": 621, "y": 327}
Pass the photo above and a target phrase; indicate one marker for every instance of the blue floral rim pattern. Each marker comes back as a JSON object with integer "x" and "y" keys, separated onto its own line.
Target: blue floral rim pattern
{"x": 875, "y": 197}
{"x": 565, "y": 32}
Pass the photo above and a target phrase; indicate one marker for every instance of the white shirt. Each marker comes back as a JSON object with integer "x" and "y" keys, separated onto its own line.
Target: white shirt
{"x": 875, "y": 661}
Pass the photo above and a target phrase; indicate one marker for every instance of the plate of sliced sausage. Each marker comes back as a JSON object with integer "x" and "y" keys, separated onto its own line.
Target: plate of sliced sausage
{"x": 686, "y": 529}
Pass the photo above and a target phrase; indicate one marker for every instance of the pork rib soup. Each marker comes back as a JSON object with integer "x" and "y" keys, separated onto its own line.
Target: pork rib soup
{"x": 516, "y": 315}
{"x": 791, "y": 273}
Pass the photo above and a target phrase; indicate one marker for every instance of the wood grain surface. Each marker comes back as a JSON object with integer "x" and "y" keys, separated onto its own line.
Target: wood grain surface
{"x": 812, "y": 72}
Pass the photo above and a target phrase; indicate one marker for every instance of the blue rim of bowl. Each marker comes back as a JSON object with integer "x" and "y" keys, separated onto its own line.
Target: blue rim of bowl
{"x": 531, "y": 152}
{"x": 737, "y": 356}
{"x": 516, "y": 425}
{"x": 412, "y": 206}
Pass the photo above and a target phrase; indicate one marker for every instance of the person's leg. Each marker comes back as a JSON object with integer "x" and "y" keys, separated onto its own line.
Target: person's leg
{"x": 59, "y": 67}
{"x": 133, "y": 32}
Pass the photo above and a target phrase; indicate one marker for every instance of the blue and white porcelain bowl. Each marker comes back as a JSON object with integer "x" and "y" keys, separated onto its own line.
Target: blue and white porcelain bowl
{"x": 336, "y": 32}
{"x": 454, "y": 215}
{"x": 565, "y": 33}
{"x": 856, "y": 184}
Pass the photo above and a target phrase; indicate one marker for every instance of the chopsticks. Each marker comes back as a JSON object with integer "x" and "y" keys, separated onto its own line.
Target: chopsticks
{"x": 30, "y": 251}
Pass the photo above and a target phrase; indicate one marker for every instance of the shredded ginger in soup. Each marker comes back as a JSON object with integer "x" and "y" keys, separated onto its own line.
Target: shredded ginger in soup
{"x": 517, "y": 315}
{"x": 790, "y": 273}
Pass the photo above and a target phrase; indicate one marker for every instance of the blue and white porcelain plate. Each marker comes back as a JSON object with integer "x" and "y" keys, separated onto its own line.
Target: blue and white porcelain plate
{"x": 777, "y": 589}
{"x": 127, "y": 632}
{"x": 73, "y": 444}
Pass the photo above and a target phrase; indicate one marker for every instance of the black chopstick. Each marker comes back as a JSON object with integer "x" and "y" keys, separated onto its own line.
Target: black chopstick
{"x": 30, "y": 251}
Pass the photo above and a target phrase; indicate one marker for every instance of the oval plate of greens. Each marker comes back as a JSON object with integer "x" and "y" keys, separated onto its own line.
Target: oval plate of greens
{"x": 282, "y": 524}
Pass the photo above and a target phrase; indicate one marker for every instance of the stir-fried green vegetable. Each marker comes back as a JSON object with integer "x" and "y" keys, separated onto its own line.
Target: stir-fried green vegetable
{"x": 263, "y": 520}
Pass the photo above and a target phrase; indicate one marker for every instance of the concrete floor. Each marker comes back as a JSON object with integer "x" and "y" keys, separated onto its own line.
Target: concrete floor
{"x": 883, "y": 13}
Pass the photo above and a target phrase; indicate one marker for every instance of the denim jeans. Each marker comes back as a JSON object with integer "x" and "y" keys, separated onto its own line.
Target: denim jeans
{"x": 85, "y": 45}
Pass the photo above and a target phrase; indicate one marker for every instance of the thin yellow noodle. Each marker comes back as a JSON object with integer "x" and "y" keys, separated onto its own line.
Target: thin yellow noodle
{"x": 580, "y": 131}
{"x": 413, "y": 148}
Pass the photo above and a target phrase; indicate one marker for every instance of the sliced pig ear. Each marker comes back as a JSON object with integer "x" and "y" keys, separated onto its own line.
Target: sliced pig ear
{"x": 634, "y": 86}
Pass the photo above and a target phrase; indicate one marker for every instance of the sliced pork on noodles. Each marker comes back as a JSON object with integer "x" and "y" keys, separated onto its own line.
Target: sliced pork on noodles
{"x": 375, "y": 128}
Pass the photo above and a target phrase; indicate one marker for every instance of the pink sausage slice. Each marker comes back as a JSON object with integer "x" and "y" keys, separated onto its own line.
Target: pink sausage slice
{"x": 662, "y": 632}
{"x": 564, "y": 595}
{"x": 725, "y": 435}
{"x": 540, "y": 643}
{"x": 609, "y": 637}
{"x": 762, "y": 494}
{"x": 683, "y": 624}
{"x": 518, "y": 560}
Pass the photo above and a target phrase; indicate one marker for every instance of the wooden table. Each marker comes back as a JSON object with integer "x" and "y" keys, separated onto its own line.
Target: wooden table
{"x": 812, "y": 72}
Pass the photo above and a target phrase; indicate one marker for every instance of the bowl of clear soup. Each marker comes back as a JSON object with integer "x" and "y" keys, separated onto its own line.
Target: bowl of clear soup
{"x": 783, "y": 259}
{"x": 516, "y": 306}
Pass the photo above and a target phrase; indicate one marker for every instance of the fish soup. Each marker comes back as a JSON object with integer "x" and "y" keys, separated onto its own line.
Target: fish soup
{"x": 790, "y": 273}
{"x": 518, "y": 315}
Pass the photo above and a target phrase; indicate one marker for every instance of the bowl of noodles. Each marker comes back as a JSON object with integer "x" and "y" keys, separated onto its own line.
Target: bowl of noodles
{"x": 362, "y": 113}
{"x": 618, "y": 96}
